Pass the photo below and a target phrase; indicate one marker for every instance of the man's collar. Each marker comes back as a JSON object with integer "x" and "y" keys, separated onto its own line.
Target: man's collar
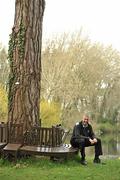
{"x": 84, "y": 125}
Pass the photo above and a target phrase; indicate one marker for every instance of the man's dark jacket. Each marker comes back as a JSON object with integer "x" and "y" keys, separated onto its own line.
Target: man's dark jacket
{"x": 79, "y": 131}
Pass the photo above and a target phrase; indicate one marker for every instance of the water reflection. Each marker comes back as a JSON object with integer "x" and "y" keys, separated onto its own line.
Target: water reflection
{"x": 110, "y": 145}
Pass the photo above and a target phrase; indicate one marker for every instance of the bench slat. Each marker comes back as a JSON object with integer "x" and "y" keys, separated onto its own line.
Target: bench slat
{"x": 12, "y": 147}
{"x": 49, "y": 151}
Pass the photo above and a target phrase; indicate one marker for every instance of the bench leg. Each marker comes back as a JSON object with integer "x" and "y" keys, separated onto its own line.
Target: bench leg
{"x": 58, "y": 159}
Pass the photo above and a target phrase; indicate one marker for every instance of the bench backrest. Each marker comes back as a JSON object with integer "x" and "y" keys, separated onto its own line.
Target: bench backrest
{"x": 46, "y": 137}
{"x": 51, "y": 137}
{"x": 15, "y": 133}
{"x": 38, "y": 136}
{"x": 3, "y": 132}
{"x": 58, "y": 133}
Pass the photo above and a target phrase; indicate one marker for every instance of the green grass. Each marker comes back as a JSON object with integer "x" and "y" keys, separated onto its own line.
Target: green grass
{"x": 44, "y": 169}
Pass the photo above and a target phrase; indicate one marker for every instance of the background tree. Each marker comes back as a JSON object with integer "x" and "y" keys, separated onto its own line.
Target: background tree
{"x": 81, "y": 76}
{"x": 25, "y": 63}
{"x": 4, "y": 66}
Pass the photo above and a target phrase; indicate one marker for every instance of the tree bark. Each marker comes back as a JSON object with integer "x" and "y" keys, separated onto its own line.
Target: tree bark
{"x": 25, "y": 63}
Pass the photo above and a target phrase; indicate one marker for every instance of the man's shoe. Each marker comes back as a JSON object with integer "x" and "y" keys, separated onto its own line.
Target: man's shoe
{"x": 97, "y": 161}
{"x": 83, "y": 162}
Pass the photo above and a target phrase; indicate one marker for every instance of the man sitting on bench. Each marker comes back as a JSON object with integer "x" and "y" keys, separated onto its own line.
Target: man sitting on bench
{"x": 83, "y": 136}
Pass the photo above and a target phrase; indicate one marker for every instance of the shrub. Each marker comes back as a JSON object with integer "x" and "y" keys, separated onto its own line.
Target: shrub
{"x": 50, "y": 113}
{"x": 107, "y": 127}
{"x": 3, "y": 104}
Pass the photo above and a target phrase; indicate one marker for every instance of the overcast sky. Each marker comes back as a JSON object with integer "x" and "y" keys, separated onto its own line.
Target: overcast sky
{"x": 99, "y": 19}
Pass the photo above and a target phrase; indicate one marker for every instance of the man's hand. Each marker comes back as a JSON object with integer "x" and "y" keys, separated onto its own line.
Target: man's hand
{"x": 93, "y": 141}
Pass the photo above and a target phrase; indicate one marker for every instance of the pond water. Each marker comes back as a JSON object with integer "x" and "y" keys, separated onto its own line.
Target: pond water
{"x": 110, "y": 145}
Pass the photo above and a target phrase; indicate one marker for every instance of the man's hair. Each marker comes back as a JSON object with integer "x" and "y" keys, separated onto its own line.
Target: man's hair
{"x": 87, "y": 114}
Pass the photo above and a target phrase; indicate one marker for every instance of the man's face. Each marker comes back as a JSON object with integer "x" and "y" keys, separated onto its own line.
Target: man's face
{"x": 85, "y": 119}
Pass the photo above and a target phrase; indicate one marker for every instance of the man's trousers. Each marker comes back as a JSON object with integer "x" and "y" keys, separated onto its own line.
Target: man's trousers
{"x": 82, "y": 143}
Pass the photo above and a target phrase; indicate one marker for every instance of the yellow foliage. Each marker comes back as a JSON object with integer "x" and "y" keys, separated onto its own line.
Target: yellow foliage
{"x": 50, "y": 113}
{"x": 3, "y": 104}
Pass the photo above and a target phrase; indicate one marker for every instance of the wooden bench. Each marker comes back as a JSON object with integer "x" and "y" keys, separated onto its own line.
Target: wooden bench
{"x": 47, "y": 142}
{"x": 15, "y": 141}
{"x": 3, "y": 136}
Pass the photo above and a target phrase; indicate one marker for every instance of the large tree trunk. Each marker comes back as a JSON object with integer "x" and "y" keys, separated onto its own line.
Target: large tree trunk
{"x": 25, "y": 63}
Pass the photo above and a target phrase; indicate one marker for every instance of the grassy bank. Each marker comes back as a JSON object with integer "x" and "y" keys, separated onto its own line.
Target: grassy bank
{"x": 44, "y": 169}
